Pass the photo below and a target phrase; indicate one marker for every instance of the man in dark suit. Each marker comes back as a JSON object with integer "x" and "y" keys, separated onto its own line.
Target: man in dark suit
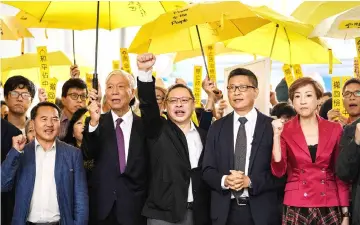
{"x": 116, "y": 142}
{"x": 7, "y": 198}
{"x": 237, "y": 160}
{"x": 48, "y": 174}
{"x": 177, "y": 194}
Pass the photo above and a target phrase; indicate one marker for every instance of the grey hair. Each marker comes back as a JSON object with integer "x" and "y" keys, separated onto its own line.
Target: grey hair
{"x": 128, "y": 76}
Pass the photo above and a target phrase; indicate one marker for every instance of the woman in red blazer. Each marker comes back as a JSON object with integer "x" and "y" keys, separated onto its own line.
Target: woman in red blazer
{"x": 305, "y": 149}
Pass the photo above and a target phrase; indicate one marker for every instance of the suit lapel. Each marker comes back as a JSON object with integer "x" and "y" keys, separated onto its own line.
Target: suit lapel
{"x": 59, "y": 161}
{"x": 258, "y": 135}
{"x": 298, "y": 136}
{"x": 229, "y": 141}
{"x": 324, "y": 135}
{"x": 134, "y": 141}
{"x": 32, "y": 167}
{"x": 202, "y": 134}
{"x": 179, "y": 140}
{"x": 110, "y": 137}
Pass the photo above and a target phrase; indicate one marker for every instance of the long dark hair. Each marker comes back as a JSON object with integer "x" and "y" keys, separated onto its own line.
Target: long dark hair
{"x": 69, "y": 138}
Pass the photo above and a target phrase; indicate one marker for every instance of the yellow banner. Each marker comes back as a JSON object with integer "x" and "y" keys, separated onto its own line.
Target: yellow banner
{"x": 330, "y": 61}
{"x": 357, "y": 44}
{"x": 336, "y": 93}
{"x": 342, "y": 109}
{"x": 154, "y": 74}
{"x": 297, "y": 71}
{"x": 289, "y": 78}
{"x": 125, "y": 60}
{"x": 194, "y": 118}
{"x": 211, "y": 62}
{"x": 44, "y": 66}
{"x": 51, "y": 89}
{"x": 356, "y": 67}
{"x": 115, "y": 65}
{"x": 89, "y": 78}
{"x": 349, "y": 24}
{"x": 197, "y": 85}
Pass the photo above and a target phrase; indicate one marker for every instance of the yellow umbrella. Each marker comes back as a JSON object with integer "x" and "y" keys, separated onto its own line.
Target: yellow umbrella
{"x": 81, "y": 15}
{"x": 285, "y": 40}
{"x": 28, "y": 65}
{"x": 313, "y": 12}
{"x": 220, "y": 49}
{"x": 179, "y": 29}
{"x": 12, "y": 29}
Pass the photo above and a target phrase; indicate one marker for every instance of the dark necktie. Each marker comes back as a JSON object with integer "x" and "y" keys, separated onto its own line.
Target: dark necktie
{"x": 240, "y": 151}
{"x": 120, "y": 145}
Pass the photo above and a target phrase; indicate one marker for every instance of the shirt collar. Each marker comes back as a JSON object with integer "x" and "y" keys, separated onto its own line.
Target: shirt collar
{"x": 192, "y": 126}
{"x": 250, "y": 116}
{"x": 53, "y": 147}
{"x": 126, "y": 117}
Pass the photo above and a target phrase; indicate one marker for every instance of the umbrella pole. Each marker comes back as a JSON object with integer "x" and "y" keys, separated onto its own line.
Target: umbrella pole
{"x": 202, "y": 50}
{"x": 273, "y": 43}
{"x": 95, "y": 75}
{"x": 73, "y": 40}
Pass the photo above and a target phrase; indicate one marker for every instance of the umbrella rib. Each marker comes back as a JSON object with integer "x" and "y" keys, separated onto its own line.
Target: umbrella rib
{"x": 45, "y": 11}
{"x": 287, "y": 36}
{"x": 238, "y": 28}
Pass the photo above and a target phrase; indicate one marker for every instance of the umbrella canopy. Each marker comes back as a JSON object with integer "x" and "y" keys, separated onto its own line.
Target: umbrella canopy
{"x": 12, "y": 29}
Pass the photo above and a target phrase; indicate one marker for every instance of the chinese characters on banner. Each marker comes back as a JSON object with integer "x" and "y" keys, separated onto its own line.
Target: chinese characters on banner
{"x": 125, "y": 60}
{"x": 349, "y": 24}
{"x": 211, "y": 62}
{"x": 297, "y": 71}
{"x": 337, "y": 83}
{"x": 289, "y": 78}
{"x": 115, "y": 65}
{"x": 44, "y": 67}
{"x": 51, "y": 89}
{"x": 197, "y": 85}
{"x": 356, "y": 67}
{"x": 357, "y": 44}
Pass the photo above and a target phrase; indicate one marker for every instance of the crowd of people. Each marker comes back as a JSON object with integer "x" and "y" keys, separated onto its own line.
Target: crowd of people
{"x": 145, "y": 154}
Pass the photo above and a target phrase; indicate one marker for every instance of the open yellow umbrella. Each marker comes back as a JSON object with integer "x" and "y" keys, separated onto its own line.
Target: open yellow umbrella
{"x": 180, "y": 29}
{"x": 28, "y": 65}
{"x": 285, "y": 40}
{"x": 313, "y": 12}
{"x": 12, "y": 29}
{"x": 220, "y": 49}
{"x": 81, "y": 15}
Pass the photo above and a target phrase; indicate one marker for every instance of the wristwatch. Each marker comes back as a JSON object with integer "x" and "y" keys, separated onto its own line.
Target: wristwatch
{"x": 345, "y": 214}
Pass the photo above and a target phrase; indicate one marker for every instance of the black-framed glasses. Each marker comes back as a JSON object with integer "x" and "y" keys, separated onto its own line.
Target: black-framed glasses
{"x": 348, "y": 94}
{"x": 183, "y": 100}
{"x": 24, "y": 95}
{"x": 75, "y": 96}
{"x": 241, "y": 88}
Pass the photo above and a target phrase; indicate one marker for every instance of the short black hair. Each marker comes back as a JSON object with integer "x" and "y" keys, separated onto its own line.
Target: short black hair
{"x": 20, "y": 82}
{"x": 329, "y": 94}
{"x": 43, "y": 104}
{"x": 69, "y": 138}
{"x": 325, "y": 108}
{"x": 283, "y": 109}
{"x": 175, "y": 86}
{"x": 351, "y": 81}
{"x": 244, "y": 72}
{"x": 73, "y": 83}
{"x": 3, "y": 103}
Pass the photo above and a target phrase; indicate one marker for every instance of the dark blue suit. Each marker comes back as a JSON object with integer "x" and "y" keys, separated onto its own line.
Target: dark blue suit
{"x": 19, "y": 169}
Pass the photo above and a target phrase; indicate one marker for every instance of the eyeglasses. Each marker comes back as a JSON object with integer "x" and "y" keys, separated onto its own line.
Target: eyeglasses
{"x": 241, "y": 88}
{"x": 159, "y": 99}
{"x": 75, "y": 96}
{"x": 348, "y": 94}
{"x": 183, "y": 100}
{"x": 24, "y": 95}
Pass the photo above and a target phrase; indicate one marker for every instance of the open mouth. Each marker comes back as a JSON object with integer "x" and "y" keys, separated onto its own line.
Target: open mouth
{"x": 179, "y": 113}
{"x": 353, "y": 105}
{"x": 116, "y": 101}
{"x": 49, "y": 131}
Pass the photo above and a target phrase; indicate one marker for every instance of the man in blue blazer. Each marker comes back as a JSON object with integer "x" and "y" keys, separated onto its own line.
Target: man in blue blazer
{"x": 48, "y": 175}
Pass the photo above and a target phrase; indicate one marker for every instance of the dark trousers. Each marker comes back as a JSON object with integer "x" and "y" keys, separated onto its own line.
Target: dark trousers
{"x": 111, "y": 219}
{"x": 239, "y": 214}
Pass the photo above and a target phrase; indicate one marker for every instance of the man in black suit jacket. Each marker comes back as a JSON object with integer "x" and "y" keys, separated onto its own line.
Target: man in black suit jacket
{"x": 242, "y": 139}
{"x": 7, "y": 198}
{"x": 116, "y": 142}
{"x": 177, "y": 194}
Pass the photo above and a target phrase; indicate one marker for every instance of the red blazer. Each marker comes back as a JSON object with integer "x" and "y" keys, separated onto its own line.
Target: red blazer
{"x": 311, "y": 184}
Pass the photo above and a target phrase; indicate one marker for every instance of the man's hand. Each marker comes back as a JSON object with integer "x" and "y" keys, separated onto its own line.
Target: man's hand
{"x": 244, "y": 180}
{"x": 273, "y": 99}
{"x": 74, "y": 71}
{"x": 232, "y": 181}
{"x": 42, "y": 95}
{"x": 95, "y": 111}
{"x": 333, "y": 115}
{"x": 19, "y": 142}
{"x": 209, "y": 87}
{"x": 146, "y": 61}
{"x": 95, "y": 94}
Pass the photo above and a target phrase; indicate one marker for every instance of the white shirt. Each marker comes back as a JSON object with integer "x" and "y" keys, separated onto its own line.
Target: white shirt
{"x": 249, "y": 129}
{"x": 44, "y": 205}
{"x": 193, "y": 139}
{"x": 195, "y": 148}
{"x": 125, "y": 126}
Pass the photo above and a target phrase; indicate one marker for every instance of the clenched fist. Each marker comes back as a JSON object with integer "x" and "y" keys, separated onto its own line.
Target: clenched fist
{"x": 19, "y": 142}
{"x": 278, "y": 126}
{"x": 95, "y": 111}
{"x": 146, "y": 61}
{"x": 42, "y": 95}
